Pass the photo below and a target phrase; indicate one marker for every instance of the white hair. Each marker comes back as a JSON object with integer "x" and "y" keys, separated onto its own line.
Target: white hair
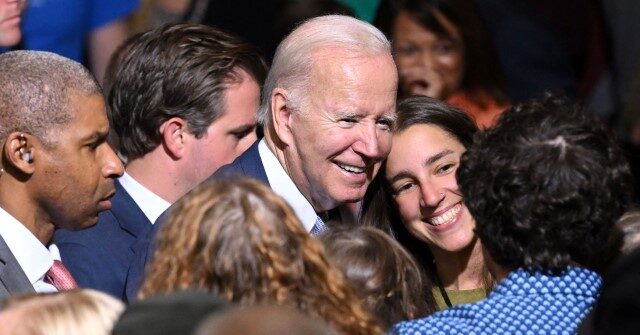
{"x": 294, "y": 58}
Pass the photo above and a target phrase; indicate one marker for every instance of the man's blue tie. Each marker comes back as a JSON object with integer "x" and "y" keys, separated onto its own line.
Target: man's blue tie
{"x": 319, "y": 227}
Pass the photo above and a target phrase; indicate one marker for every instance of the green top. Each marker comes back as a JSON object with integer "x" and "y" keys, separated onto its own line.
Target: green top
{"x": 458, "y": 297}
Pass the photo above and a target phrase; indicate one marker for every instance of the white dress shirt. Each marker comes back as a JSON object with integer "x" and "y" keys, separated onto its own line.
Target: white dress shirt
{"x": 34, "y": 258}
{"x": 151, "y": 204}
{"x": 283, "y": 186}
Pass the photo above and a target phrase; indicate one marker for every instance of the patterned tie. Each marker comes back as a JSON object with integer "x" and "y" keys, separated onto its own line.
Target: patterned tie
{"x": 60, "y": 277}
{"x": 319, "y": 227}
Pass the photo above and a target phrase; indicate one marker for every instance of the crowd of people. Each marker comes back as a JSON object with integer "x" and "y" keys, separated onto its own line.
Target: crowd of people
{"x": 363, "y": 179}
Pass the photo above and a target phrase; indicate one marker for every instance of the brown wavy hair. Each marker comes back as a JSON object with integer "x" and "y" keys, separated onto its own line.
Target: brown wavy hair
{"x": 388, "y": 279}
{"x": 242, "y": 242}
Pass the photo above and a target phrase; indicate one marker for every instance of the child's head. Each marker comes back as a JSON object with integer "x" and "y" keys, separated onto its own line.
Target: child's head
{"x": 385, "y": 276}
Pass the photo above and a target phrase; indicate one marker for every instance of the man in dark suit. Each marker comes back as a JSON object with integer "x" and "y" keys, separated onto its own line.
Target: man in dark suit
{"x": 192, "y": 111}
{"x": 328, "y": 108}
{"x": 57, "y": 169}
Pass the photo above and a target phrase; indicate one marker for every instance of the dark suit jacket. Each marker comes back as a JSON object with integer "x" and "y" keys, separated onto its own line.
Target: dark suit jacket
{"x": 248, "y": 165}
{"x": 99, "y": 257}
{"x": 12, "y": 279}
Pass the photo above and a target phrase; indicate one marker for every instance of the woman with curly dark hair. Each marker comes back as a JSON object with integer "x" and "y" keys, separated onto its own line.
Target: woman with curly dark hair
{"x": 416, "y": 199}
{"x": 242, "y": 242}
{"x": 545, "y": 186}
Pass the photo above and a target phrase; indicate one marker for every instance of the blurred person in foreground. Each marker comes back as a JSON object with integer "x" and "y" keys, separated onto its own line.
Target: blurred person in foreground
{"x": 386, "y": 277}
{"x": 77, "y": 312}
{"x": 239, "y": 240}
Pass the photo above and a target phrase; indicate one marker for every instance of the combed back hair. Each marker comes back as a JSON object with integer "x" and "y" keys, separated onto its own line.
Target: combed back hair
{"x": 379, "y": 208}
{"x": 35, "y": 92}
{"x": 77, "y": 312}
{"x": 239, "y": 240}
{"x": 180, "y": 70}
{"x": 295, "y": 56}
{"x": 545, "y": 187}
{"x": 387, "y": 278}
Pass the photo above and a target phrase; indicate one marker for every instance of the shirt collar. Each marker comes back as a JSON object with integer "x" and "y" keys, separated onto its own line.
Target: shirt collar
{"x": 151, "y": 204}
{"x": 283, "y": 186}
{"x": 32, "y": 256}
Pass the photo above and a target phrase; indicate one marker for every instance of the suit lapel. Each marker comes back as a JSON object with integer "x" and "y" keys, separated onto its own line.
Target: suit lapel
{"x": 12, "y": 277}
{"x": 128, "y": 214}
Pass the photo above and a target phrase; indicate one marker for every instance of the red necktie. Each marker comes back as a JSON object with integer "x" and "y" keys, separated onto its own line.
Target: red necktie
{"x": 60, "y": 277}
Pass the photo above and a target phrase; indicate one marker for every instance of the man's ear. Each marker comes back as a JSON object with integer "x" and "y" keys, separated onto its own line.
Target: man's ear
{"x": 19, "y": 152}
{"x": 174, "y": 136}
{"x": 281, "y": 113}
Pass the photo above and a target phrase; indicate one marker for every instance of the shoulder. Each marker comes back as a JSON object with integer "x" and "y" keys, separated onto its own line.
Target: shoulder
{"x": 456, "y": 320}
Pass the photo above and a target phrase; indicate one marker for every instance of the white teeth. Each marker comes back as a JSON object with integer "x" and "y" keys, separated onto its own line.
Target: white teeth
{"x": 445, "y": 217}
{"x": 353, "y": 169}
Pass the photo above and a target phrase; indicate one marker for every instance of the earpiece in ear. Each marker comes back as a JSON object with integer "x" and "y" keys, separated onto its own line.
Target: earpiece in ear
{"x": 26, "y": 155}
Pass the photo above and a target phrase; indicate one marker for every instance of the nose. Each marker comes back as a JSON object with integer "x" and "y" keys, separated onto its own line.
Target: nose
{"x": 369, "y": 144}
{"x": 425, "y": 59}
{"x": 431, "y": 195}
{"x": 112, "y": 167}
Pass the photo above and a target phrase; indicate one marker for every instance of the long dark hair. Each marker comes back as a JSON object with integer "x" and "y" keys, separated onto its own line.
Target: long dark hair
{"x": 378, "y": 206}
{"x": 482, "y": 65}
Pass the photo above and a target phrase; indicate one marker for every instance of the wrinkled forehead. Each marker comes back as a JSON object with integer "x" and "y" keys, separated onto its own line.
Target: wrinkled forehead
{"x": 347, "y": 76}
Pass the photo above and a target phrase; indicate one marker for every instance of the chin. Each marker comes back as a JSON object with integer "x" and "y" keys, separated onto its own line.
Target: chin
{"x": 350, "y": 195}
{"x": 84, "y": 224}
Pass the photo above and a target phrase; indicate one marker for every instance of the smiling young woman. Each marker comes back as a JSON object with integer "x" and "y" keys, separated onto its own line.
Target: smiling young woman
{"x": 416, "y": 199}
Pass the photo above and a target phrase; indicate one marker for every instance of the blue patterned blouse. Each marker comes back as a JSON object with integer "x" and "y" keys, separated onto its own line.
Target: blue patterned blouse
{"x": 520, "y": 304}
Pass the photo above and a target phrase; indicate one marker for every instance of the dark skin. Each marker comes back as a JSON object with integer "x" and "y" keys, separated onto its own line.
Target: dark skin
{"x": 67, "y": 180}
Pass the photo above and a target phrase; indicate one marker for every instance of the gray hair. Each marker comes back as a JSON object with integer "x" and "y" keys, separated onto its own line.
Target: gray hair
{"x": 294, "y": 58}
{"x": 35, "y": 88}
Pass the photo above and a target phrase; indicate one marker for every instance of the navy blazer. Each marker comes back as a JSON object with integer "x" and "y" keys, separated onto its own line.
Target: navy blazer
{"x": 248, "y": 165}
{"x": 13, "y": 280}
{"x": 99, "y": 257}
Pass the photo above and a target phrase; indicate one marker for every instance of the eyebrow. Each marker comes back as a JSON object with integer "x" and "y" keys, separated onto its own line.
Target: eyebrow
{"x": 243, "y": 128}
{"x": 97, "y": 136}
{"x": 429, "y": 161}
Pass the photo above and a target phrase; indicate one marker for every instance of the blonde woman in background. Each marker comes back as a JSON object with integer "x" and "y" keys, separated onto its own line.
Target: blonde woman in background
{"x": 78, "y": 312}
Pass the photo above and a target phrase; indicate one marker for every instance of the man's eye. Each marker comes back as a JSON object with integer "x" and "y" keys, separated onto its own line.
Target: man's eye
{"x": 243, "y": 134}
{"x": 94, "y": 145}
{"x": 347, "y": 121}
{"x": 386, "y": 124}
